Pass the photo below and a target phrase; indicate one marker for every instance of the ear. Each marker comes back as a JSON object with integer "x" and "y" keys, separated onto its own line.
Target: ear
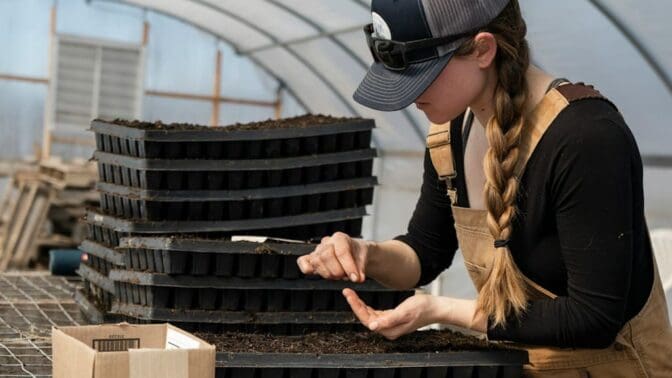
{"x": 486, "y": 49}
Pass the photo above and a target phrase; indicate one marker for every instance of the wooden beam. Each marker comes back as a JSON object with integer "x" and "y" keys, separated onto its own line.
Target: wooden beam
{"x": 229, "y": 100}
{"x": 58, "y": 138}
{"x": 145, "y": 33}
{"x": 278, "y": 103}
{"x": 217, "y": 90}
{"x": 25, "y": 79}
{"x": 7, "y": 168}
{"x": 47, "y": 119}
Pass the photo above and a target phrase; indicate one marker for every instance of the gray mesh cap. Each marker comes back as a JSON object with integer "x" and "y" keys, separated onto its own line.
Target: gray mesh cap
{"x": 411, "y": 20}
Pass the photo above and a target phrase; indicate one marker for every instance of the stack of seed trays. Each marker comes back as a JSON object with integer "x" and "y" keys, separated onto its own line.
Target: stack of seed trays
{"x": 299, "y": 178}
{"x": 290, "y": 169}
{"x": 233, "y": 283}
{"x": 101, "y": 256}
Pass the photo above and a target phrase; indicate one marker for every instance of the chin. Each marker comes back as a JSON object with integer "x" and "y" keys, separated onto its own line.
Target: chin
{"x": 438, "y": 119}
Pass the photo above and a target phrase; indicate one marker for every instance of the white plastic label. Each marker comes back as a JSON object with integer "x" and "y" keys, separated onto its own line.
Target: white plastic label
{"x": 177, "y": 340}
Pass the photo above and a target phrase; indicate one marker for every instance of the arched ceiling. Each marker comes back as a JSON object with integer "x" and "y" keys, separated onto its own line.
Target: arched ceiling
{"x": 316, "y": 49}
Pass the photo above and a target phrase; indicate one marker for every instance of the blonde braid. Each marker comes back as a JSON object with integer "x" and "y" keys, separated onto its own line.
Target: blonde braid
{"x": 504, "y": 291}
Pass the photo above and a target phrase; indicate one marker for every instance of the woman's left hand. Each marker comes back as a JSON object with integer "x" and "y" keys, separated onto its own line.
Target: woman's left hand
{"x": 416, "y": 312}
{"x": 413, "y": 313}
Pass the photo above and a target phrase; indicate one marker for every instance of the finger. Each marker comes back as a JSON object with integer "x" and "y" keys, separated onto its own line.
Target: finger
{"x": 358, "y": 306}
{"x": 330, "y": 262}
{"x": 304, "y": 265}
{"x": 325, "y": 239}
{"x": 307, "y": 262}
{"x": 304, "y": 261}
{"x": 343, "y": 252}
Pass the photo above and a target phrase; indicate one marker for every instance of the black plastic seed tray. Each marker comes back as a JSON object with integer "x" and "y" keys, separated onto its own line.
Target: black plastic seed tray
{"x": 291, "y": 226}
{"x": 459, "y": 364}
{"x": 212, "y": 264}
{"x": 214, "y": 205}
{"x": 165, "y": 174}
{"x": 233, "y": 317}
{"x": 96, "y": 278}
{"x": 100, "y": 258}
{"x": 258, "y": 295}
{"x": 294, "y": 137}
{"x": 214, "y": 257}
{"x": 102, "y": 235}
{"x": 95, "y": 311}
{"x": 252, "y": 294}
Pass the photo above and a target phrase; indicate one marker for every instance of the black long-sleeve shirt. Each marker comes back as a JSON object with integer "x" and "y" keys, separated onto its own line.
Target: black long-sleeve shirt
{"x": 580, "y": 230}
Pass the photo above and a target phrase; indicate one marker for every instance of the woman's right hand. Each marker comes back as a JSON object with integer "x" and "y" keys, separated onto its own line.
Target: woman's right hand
{"x": 337, "y": 257}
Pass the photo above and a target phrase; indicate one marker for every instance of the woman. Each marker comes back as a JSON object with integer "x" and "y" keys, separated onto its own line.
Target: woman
{"x": 544, "y": 199}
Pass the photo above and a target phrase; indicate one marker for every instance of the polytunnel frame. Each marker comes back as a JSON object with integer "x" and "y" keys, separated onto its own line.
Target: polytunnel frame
{"x": 601, "y": 7}
{"x": 286, "y": 46}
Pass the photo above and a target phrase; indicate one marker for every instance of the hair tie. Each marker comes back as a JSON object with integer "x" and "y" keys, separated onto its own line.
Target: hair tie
{"x": 501, "y": 243}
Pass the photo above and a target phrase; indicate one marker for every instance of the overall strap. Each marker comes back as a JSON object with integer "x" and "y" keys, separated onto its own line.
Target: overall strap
{"x": 439, "y": 143}
{"x": 555, "y": 101}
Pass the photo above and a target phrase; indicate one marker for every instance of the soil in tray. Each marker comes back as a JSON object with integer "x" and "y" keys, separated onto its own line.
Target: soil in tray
{"x": 346, "y": 343}
{"x": 300, "y": 121}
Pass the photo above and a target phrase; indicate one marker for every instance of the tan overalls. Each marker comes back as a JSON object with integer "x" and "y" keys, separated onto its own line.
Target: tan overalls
{"x": 643, "y": 347}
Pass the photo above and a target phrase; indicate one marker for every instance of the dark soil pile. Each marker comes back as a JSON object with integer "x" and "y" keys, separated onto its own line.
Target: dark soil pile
{"x": 346, "y": 343}
{"x": 295, "y": 122}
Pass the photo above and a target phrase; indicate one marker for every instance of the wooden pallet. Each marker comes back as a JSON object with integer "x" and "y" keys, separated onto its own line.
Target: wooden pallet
{"x": 65, "y": 188}
{"x": 74, "y": 175}
{"x": 26, "y": 213}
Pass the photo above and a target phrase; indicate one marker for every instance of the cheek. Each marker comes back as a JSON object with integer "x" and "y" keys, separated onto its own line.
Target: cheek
{"x": 453, "y": 91}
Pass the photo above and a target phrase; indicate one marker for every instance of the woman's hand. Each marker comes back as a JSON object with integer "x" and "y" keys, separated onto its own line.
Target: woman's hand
{"x": 413, "y": 313}
{"x": 337, "y": 257}
{"x": 416, "y": 312}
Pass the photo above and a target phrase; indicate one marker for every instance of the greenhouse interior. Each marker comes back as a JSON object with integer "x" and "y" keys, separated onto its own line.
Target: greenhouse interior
{"x": 199, "y": 187}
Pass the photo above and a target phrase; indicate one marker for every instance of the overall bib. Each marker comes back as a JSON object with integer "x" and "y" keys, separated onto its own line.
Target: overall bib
{"x": 643, "y": 347}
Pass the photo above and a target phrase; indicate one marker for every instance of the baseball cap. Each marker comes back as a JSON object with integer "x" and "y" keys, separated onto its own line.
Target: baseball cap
{"x": 412, "y": 41}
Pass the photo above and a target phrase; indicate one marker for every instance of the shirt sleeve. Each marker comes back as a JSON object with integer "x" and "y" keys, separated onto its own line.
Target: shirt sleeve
{"x": 591, "y": 194}
{"x": 431, "y": 230}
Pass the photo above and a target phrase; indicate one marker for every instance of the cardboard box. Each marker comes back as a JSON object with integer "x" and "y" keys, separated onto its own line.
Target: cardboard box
{"x": 130, "y": 351}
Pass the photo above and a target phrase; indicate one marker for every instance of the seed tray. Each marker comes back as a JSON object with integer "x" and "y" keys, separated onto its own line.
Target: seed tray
{"x": 94, "y": 297}
{"x": 197, "y": 206}
{"x": 347, "y": 220}
{"x": 249, "y": 299}
{"x": 101, "y": 258}
{"x": 233, "y": 317}
{"x": 102, "y": 231}
{"x": 212, "y": 264}
{"x": 188, "y": 243}
{"x": 464, "y": 364}
{"x": 232, "y": 142}
{"x": 232, "y": 180}
{"x": 93, "y": 310}
{"x": 97, "y": 279}
{"x": 214, "y": 257}
{"x": 104, "y": 236}
{"x": 212, "y": 282}
{"x": 161, "y": 174}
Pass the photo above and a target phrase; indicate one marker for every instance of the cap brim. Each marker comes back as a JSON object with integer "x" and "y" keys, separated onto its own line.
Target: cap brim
{"x": 387, "y": 90}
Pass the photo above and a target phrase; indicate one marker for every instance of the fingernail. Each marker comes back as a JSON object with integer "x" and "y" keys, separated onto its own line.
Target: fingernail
{"x": 373, "y": 326}
{"x": 353, "y": 277}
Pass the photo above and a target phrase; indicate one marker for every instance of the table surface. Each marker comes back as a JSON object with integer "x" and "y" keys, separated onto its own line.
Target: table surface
{"x": 30, "y": 304}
